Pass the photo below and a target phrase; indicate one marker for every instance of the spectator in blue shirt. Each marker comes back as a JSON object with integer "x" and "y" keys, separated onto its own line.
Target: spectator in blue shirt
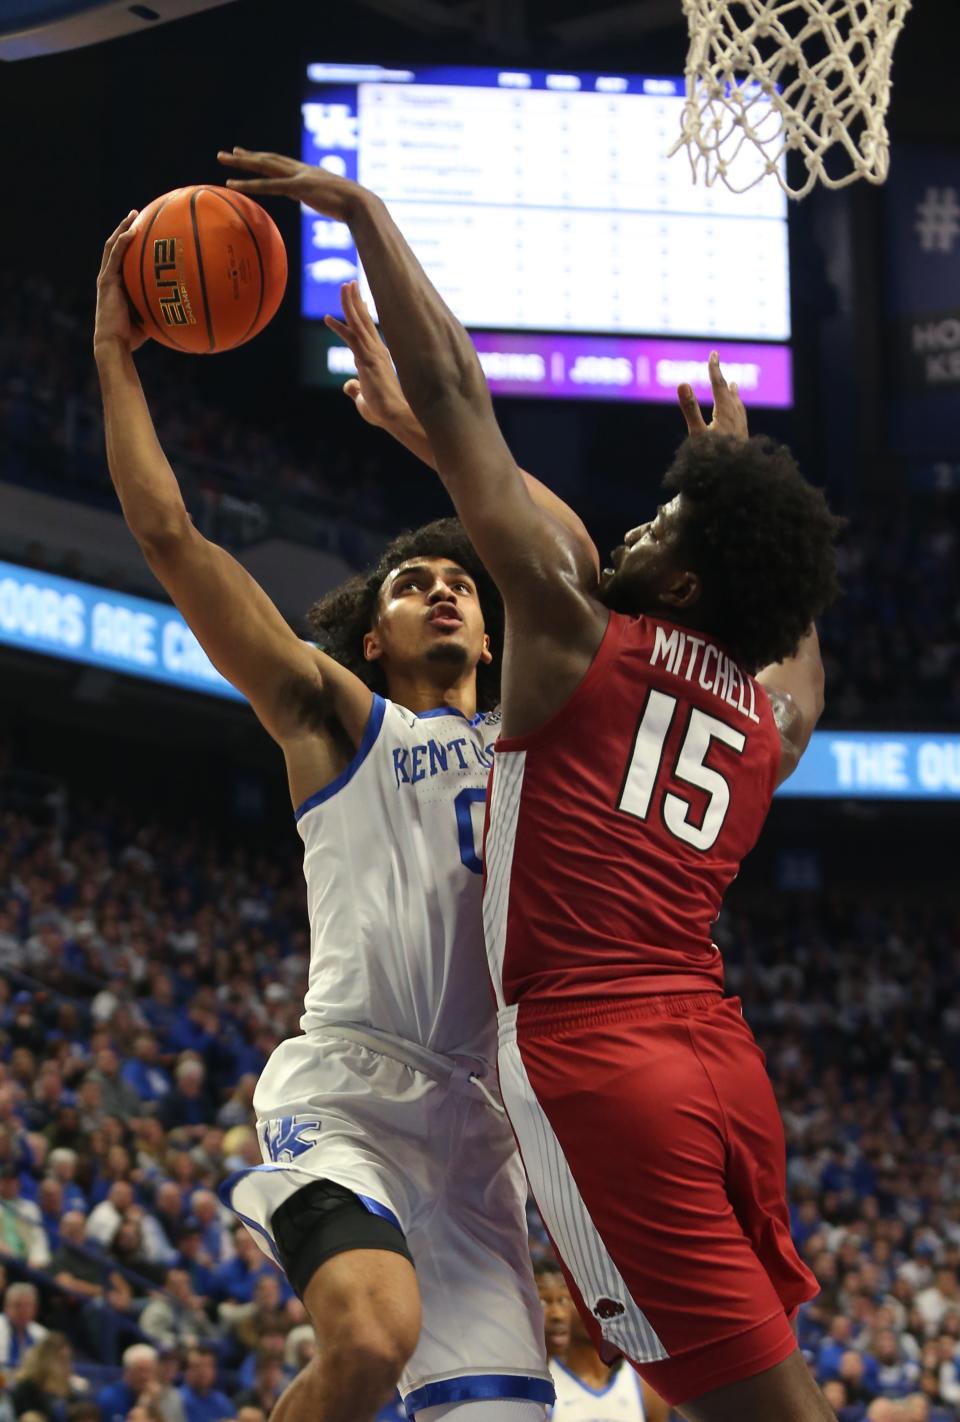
{"x": 832, "y": 1349}
{"x": 836, "y": 1394}
{"x": 215, "y": 1227}
{"x": 189, "y": 1242}
{"x": 19, "y": 1329}
{"x": 202, "y": 1400}
{"x": 236, "y": 1280}
{"x": 139, "y": 1373}
{"x": 62, "y": 1164}
{"x": 143, "y": 1071}
{"x": 50, "y": 1198}
{"x": 160, "y": 1008}
{"x": 188, "y": 1104}
{"x": 896, "y": 1376}
{"x": 271, "y": 1343}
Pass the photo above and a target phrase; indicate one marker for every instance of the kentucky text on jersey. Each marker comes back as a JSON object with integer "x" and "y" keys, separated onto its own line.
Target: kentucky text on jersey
{"x": 414, "y": 763}
{"x": 687, "y": 656}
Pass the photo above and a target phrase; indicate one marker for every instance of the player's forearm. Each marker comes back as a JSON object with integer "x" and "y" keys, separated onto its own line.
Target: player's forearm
{"x": 433, "y": 355}
{"x": 146, "y": 485}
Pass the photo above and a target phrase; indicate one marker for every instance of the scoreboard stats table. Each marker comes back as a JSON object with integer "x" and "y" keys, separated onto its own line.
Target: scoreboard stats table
{"x": 542, "y": 205}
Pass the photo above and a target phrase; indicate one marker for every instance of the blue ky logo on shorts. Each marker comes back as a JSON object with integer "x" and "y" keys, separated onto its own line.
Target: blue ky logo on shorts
{"x": 286, "y": 1137}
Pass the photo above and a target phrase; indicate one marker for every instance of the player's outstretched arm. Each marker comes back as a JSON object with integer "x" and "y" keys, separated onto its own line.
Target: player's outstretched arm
{"x": 527, "y": 551}
{"x": 795, "y": 688}
{"x": 376, "y": 393}
{"x": 290, "y": 685}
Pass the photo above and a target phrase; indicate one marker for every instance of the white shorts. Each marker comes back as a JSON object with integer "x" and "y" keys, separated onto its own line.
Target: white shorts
{"x": 419, "y": 1142}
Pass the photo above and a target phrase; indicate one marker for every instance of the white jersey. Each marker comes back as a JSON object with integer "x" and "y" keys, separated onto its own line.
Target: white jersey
{"x": 620, "y": 1401}
{"x": 392, "y": 859}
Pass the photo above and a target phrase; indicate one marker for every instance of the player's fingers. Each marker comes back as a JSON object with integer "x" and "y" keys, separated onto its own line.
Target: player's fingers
{"x": 717, "y": 379}
{"x": 341, "y": 329}
{"x": 360, "y": 311}
{"x": 266, "y": 163}
{"x": 260, "y": 185}
{"x": 118, "y": 253}
{"x": 352, "y": 388}
{"x": 350, "y": 307}
{"x": 690, "y": 409}
{"x": 361, "y": 322}
{"x": 122, "y": 230}
{"x": 740, "y": 411}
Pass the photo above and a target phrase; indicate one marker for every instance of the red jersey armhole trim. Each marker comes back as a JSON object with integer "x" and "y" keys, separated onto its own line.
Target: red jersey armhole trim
{"x": 609, "y": 646}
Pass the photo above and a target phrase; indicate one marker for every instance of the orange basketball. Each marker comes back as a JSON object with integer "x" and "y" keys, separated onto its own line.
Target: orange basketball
{"x": 206, "y": 269}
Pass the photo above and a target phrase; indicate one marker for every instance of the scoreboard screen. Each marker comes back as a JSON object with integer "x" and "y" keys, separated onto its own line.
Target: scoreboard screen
{"x": 544, "y": 209}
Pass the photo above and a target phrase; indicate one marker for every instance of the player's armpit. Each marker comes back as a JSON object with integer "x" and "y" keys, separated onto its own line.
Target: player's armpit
{"x": 789, "y": 723}
{"x": 293, "y": 688}
{"x": 796, "y": 691}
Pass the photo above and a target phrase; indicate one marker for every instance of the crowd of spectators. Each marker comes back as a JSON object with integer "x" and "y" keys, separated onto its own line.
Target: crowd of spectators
{"x": 146, "y": 974}
{"x": 242, "y": 478}
{"x": 892, "y": 646}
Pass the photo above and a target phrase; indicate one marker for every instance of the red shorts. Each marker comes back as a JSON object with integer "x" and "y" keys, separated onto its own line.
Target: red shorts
{"x": 655, "y": 1152}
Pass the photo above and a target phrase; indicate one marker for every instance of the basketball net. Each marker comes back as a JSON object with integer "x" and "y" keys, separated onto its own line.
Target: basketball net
{"x": 770, "y": 77}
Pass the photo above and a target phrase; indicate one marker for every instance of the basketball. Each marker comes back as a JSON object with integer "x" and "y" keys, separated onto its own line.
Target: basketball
{"x": 206, "y": 270}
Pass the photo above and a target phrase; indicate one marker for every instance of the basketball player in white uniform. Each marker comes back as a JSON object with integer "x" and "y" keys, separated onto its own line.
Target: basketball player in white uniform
{"x": 384, "y": 1142}
{"x": 587, "y": 1389}
{"x": 619, "y": 1399}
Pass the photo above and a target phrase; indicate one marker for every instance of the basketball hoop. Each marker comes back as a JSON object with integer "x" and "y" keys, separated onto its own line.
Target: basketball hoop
{"x": 770, "y": 77}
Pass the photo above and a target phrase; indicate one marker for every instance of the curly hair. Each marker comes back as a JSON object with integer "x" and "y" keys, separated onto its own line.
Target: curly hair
{"x": 340, "y": 620}
{"x": 760, "y": 538}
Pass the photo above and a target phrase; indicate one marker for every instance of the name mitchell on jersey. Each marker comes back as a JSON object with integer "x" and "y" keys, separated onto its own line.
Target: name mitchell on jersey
{"x": 715, "y": 671}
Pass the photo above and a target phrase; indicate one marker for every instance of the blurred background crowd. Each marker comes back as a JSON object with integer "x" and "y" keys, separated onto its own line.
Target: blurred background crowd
{"x": 147, "y": 973}
{"x": 891, "y": 648}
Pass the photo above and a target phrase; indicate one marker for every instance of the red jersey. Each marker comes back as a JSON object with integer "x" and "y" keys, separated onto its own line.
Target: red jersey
{"x": 614, "y": 830}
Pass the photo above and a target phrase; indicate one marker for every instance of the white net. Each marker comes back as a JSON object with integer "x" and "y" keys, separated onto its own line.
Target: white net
{"x": 810, "y": 77}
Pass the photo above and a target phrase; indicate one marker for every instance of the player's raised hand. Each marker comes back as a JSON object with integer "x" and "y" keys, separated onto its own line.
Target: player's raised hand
{"x": 729, "y": 413}
{"x": 376, "y": 390}
{"x": 114, "y": 320}
{"x": 277, "y": 176}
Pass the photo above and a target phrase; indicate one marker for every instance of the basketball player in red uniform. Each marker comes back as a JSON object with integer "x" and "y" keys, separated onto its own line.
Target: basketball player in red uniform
{"x": 646, "y": 723}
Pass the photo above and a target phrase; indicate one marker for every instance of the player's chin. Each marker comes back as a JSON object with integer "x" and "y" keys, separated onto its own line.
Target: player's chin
{"x": 451, "y": 651}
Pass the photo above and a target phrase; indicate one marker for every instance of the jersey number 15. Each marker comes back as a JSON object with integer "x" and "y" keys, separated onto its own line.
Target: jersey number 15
{"x": 646, "y": 764}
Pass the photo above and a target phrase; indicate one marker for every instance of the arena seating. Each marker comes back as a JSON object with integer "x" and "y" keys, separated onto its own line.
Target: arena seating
{"x": 891, "y": 648}
{"x": 147, "y": 974}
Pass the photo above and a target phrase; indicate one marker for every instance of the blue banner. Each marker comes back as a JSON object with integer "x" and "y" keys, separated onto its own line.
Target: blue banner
{"x": 878, "y": 765}
{"x": 60, "y": 617}
{"x": 81, "y": 623}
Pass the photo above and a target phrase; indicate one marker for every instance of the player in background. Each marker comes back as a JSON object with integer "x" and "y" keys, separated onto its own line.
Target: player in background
{"x": 385, "y": 1142}
{"x": 557, "y": 1307}
{"x": 647, "y": 722}
{"x": 588, "y": 1390}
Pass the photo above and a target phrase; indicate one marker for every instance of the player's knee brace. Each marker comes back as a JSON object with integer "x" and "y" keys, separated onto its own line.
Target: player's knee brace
{"x": 497, "y": 1409}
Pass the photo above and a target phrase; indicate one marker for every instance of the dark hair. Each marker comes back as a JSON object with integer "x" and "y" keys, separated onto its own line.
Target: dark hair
{"x": 202, "y": 1350}
{"x": 340, "y": 620}
{"x": 761, "y": 540}
{"x": 546, "y": 1264}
